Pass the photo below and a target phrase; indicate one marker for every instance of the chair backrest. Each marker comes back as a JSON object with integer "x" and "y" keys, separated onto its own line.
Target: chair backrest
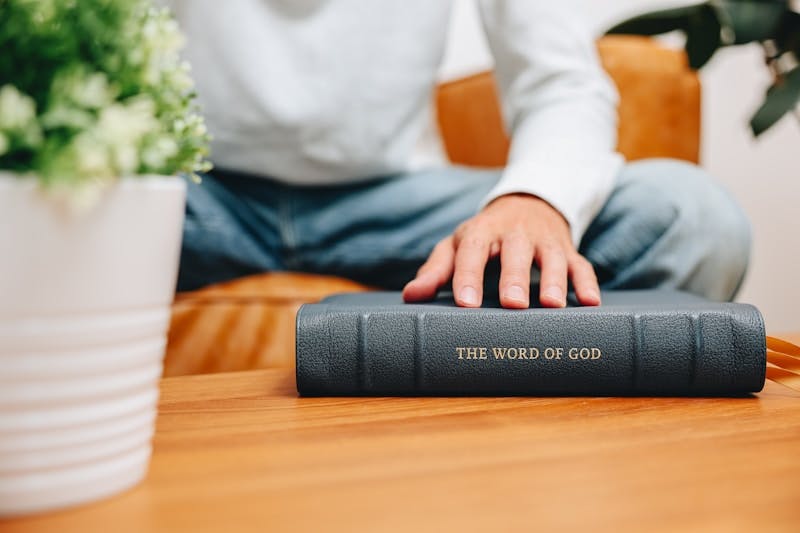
{"x": 659, "y": 112}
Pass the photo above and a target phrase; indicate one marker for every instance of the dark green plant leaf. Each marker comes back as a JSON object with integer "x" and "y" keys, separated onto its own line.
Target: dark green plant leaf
{"x": 788, "y": 35}
{"x": 656, "y": 23}
{"x": 780, "y": 100}
{"x": 699, "y": 22}
{"x": 752, "y": 20}
{"x": 702, "y": 36}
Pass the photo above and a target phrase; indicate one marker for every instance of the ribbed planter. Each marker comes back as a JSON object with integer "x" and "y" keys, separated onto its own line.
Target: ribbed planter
{"x": 84, "y": 311}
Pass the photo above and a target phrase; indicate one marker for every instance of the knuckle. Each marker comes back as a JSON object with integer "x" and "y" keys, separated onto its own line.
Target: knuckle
{"x": 475, "y": 240}
{"x": 515, "y": 278}
{"x": 425, "y": 269}
{"x": 549, "y": 246}
{"x": 467, "y": 278}
{"x": 517, "y": 266}
{"x": 517, "y": 239}
{"x": 554, "y": 269}
{"x": 554, "y": 255}
{"x": 463, "y": 232}
{"x": 578, "y": 260}
{"x": 442, "y": 245}
{"x": 469, "y": 270}
{"x": 587, "y": 275}
{"x": 424, "y": 266}
{"x": 582, "y": 264}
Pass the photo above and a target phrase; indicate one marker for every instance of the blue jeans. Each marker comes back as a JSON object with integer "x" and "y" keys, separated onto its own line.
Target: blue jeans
{"x": 666, "y": 224}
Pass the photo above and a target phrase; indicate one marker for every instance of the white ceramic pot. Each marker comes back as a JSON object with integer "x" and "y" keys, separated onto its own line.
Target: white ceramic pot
{"x": 84, "y": 311}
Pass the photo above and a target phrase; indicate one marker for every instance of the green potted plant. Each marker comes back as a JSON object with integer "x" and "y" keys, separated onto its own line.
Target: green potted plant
{"x": 717, "y": 23}
{"x": 97, "y": 121}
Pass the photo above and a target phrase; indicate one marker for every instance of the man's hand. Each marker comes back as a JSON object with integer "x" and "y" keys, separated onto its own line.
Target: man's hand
{"x": 521, "y": 229}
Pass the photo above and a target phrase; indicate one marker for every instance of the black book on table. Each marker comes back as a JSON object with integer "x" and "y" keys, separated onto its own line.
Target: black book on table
{"x": 647, "y": 343}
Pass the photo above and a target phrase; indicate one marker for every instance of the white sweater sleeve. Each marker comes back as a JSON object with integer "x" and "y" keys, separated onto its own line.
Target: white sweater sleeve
{"x": 559, "y": 105}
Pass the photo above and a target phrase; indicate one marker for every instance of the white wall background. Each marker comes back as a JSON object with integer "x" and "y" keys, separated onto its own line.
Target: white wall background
{"x": 761, "y": 173}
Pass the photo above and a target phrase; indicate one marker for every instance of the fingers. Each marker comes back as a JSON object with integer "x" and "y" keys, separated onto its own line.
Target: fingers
{"x": 584, "y": 280}
{"x": 465, "y": 261}
{"x": 556, "y": 269}
{"x": 553, "y": 284}
{"x": 433, "y": 274}
{"x": 516, "y": 259}
{"x": 472, "y": 253}
{"x": 557, "y": 264}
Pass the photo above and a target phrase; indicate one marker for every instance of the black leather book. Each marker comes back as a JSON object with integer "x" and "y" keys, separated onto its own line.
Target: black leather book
{"x": 636, "y": 343}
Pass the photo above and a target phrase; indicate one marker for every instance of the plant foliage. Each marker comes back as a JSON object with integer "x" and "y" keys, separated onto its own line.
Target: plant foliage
{"x": 717, "y": 23}
{"x": 93, "y": 90}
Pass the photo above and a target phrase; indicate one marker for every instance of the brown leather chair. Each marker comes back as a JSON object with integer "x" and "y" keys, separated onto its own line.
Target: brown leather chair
{"x": 249, "y": 323}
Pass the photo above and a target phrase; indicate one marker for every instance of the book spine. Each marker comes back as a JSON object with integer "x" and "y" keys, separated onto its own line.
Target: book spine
{"x": 580, "y": 351}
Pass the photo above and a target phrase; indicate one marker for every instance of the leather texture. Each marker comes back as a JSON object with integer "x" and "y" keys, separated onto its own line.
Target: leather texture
{"x": 638, "y": 343}
{"x": 249, "y": 323}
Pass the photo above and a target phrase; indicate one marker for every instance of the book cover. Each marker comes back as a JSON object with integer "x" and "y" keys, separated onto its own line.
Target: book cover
{"x": 655, "y": 342}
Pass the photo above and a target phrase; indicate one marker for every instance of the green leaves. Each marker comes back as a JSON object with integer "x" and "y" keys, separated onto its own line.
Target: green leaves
{"x": 704, "y": 35}
{"x": 781, "y": 99}
{"x": 19, "y": 131}
{"x": 107, "y": 91}
{"x": 716, "y": 23}
{"x": 700, "y": 23}
{"x": 751, "y": 20}
{"x": 656, "y": 22}
{"x": 40, "y": 38}
{"x": 712, "y": 24}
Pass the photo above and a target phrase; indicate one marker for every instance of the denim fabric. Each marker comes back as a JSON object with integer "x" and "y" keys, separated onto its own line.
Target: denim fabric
{"x": 666, "y": 224}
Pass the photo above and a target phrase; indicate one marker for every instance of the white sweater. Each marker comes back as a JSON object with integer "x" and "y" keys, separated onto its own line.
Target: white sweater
{"x": 335, "y": 91}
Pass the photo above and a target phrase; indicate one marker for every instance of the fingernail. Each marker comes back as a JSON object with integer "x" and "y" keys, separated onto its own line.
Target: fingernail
{"x": 594, "y": 295}
{"x": 554, "y": 293}
{"x": 516, "y": 293}
{"x": 469, "y": 296}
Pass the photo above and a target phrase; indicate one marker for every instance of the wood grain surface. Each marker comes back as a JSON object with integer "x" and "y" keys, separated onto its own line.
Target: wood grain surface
{"x": 241, "y": 452}
{"x": 243, "y": 324}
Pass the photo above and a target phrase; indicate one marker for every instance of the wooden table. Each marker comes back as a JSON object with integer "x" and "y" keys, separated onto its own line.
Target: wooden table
{"x": 241, "y": 451}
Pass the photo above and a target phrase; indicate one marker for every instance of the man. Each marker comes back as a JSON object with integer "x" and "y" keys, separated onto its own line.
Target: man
{"x": 316, "y": 105}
